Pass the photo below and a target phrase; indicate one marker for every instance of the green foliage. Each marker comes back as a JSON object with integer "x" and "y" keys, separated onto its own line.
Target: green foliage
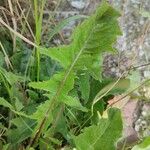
{"x": 84, "y": 86}
{"x": 63, "y": 23}
{"x": 53, "y": 84}
{"x": 83, "y": 54}
{"x": 145, "y": 145}
{"x": 8, "y": 105}
{"x": 22, "y": 131}
{"x": 101, "y": 136}
{"x": 47, "y": 97}
{"x": 85, "y": 51}
{"x": 112, "y": 88}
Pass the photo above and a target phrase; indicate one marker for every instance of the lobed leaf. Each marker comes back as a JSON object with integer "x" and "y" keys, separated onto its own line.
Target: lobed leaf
{"x": 6, "y": 104}
{"x": 64, "y": 23}
{"x": 112, "y": 88}
{"x": 101, "y": 136}
{"x": 94, "y": 36}
{"x": 23, "y": 130}
{"x": 53, "y": 84}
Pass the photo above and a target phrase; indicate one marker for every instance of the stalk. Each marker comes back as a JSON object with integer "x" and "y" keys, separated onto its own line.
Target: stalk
{"x": 38, "y": 13}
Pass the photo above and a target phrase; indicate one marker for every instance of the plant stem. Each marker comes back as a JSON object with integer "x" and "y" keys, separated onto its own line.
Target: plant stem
{"x": 140, "y": 66}
{"x": 18, "y": 34}
{"x": 38, "y": 13}
{"x": 53, "y": 100}
{"x": 130, "y": 92}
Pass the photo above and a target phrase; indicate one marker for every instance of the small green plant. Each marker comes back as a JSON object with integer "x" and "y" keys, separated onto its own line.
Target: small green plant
{"x": 63, "y": 109}
{"x": 144, "y": 145}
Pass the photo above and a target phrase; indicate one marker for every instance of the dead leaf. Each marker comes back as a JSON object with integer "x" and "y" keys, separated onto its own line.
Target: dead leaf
{"x": 118, "y": 102}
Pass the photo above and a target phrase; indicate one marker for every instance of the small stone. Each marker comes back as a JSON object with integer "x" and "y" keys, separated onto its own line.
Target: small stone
{"x": 144, "y": 113}
{"x": 143, "y": 122}
{"x": 78, "y": 4}
{"x": 138, "y": 121}
{"x": 57, "y": 41}
{"x": 137, "y": 128}
{"x": 113, "y": 69}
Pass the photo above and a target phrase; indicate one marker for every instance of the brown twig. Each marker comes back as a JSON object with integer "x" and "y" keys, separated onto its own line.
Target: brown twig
{"x": 140, "y": 66}
{"x": 18, "y": 34}
{"x": 129, "y": 93}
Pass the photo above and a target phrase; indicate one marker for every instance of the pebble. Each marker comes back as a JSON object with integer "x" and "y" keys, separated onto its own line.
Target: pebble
{"x": 137, "y": 128}
{"x": 143, "y": 122}
{"x": 57, "y": 41}
{"x": 144, "y": 114}
{"x": 142, "y": 125}
{"x": 113, "y": 69}
{"x": 78, "y": 4}
{"x": 138, "y": 121}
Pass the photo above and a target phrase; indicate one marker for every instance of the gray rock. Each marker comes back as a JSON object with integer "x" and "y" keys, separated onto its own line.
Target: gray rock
{"x": 130, "y": 135}
{"x": 79, "y": 4}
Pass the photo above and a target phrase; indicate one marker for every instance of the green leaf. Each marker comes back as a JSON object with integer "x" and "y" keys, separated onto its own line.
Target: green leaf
{"x": 64, "y": 23}
{"x": 121, "y": 85}
{"x": 6, "y": 104}
{"x": 98, "y": 110}
{"x": 31, "y": 148}
{"x": 10, "y": 77}
{"x": 60, "y": 54}
{"x": 1, "y": 59}
{"x": 95, "y": 35}
{"x": 6, "y": 147}
{"x": 18, "y": 105}
{"x": 61, "y": 127}
{"x": 101, "y": 136}
{"x": 145, "y": 145}
{"x": 113, "y": 88}
{"x": 53, "y": 84}
{"x": 22, "y": 58}
{"x": 69, "y": 101}
{"x": 45, "y": 144}
{"x": 32, "y": 94}
{"x": 23, "y": 130}
{"x": 40, "y": 113}
{"x": 72, "y": 102}
{"x": 84, "y": 86}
